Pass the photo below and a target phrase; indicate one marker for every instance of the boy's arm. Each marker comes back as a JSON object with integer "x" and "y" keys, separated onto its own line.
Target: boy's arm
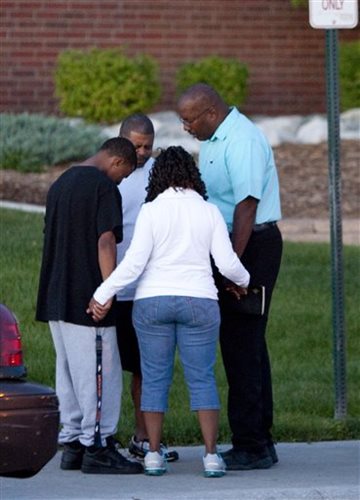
{"x": 107, "y": 253}
{"x": 107, "y": 263}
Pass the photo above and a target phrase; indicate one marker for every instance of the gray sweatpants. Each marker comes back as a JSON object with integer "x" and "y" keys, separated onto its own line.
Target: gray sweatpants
{"x": 76, "y": 381}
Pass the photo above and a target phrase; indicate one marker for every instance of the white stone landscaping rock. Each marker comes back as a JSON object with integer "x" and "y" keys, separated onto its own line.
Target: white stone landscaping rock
{"x": 298, "y": 129}
{"x": 312, "y": 131}
{"x": 279, "y": 129}
{"x": 350, "y": 124}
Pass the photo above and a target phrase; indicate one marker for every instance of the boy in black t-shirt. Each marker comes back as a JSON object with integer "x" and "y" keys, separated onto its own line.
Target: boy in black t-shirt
{"x": 83, "y": 224}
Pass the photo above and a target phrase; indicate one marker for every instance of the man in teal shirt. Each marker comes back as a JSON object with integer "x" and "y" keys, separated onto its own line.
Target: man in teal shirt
{"x": 238, "y": 168}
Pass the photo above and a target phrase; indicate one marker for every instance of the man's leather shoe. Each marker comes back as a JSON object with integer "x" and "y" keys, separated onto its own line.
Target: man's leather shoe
{"x": 246, "y": 460}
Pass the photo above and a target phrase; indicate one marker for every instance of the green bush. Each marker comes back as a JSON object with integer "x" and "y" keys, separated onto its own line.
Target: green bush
{"x": 29, "y": 142}
{"x": 299, "y": 3}
{"x": 227, "y": 76}
{"x": 104, "y": 85}
{"x": 349, "y": 73}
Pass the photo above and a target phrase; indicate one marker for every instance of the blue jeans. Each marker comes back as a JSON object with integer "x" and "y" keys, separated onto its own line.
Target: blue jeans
{"x": 192, "y": 324}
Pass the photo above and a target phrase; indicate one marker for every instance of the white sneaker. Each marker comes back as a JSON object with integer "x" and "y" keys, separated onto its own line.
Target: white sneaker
{"x": 154, "y": 464}
{"x": 214, "y": 465}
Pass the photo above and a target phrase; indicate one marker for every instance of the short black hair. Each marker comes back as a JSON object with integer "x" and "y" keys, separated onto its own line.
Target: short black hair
{"x": 174, "y": 167}
{"x": 138, "y": 122}
{"x": 202, "y": 94}
{"x": 119, "y": 146}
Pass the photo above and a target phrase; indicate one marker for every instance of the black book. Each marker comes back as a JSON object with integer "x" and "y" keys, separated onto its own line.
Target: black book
{"x": 252, "y": 303}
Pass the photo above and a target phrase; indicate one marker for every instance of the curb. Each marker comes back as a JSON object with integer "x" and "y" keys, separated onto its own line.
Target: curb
{"x": 24, "y": 207}
{"x": 318, "y": 230}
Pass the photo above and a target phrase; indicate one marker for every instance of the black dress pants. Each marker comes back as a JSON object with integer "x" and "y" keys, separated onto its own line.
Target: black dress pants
{"x": 244, "y": 351}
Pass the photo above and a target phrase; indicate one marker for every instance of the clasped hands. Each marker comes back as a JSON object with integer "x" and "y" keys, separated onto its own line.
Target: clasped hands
{"x": 234, "y": 289}
{"x": 98, "y": 311}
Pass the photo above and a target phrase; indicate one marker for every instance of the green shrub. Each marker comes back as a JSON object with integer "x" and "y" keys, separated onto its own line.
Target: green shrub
{"x": 299, "y": 3}
{"x": 349, "y": 73}
{"x": 227, "y": 76}
{"x": 104, "y": 85}
{"x": 29, "y": 142}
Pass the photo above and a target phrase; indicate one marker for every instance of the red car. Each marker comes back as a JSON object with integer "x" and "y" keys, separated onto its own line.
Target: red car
{"x": 29, "y": 412}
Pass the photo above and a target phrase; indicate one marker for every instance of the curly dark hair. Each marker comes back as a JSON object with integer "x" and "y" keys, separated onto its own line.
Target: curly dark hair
{"x": 174, "y": 167}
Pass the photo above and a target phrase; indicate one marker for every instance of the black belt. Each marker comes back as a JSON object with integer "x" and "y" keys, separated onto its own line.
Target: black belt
{"x": 261, "y": 227}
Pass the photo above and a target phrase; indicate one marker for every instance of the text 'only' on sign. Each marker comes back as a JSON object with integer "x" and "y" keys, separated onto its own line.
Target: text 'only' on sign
{"x": 333, "y": 14}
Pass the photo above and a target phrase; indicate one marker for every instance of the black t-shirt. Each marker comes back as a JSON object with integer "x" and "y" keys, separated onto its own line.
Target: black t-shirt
{"x": 82, "y": 204}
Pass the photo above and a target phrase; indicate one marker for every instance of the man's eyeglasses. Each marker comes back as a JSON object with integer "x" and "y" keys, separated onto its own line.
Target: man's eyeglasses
{"x": 189, "y": 122}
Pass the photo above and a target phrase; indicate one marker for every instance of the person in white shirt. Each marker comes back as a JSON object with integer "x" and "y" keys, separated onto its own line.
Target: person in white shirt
{"x": 139, "y": 129}
{"x": 175, "y": 301}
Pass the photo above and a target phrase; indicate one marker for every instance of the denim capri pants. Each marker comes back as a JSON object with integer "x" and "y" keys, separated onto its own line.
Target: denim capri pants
{"x": 192, "y": 324}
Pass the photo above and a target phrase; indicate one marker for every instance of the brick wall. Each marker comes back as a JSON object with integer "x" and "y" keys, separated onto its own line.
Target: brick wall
{"x": 284, "y": 54}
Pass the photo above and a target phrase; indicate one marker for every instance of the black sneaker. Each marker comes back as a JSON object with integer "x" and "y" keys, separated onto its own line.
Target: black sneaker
{"x": 139, "y": 449}
{"x": 245, "y": 460}
{"x": 114, "y": 443}
{"x": 72, "y": 456}
{"x": 272, "y": 453}
{"x": 108, "y": 460}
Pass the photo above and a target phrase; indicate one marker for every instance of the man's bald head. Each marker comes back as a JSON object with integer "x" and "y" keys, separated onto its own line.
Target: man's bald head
{"x": 139, "y": 123}
{"x": 201, "y": 110}
{"x": 201, "y": 94}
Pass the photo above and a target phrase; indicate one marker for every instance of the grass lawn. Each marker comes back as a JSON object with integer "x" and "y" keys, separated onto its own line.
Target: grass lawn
{"x": 300, "y": 339}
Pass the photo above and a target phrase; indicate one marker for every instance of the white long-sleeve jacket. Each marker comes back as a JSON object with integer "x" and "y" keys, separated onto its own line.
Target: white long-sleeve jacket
{"x": 170, "y": 251}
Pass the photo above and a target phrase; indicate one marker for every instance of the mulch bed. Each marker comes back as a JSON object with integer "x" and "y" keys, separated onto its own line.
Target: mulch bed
{"x": 303, "y": 172}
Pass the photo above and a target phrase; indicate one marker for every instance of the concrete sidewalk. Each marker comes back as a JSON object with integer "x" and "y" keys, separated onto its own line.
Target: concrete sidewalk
{"x": 326, "y": 470}
{"x": 318, "y": 230}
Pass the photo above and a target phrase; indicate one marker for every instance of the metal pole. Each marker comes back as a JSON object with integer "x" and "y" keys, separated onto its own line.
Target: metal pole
{"x": 339, "y": 348}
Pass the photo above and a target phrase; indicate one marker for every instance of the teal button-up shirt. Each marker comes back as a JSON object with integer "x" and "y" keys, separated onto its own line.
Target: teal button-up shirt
{"x": 237, "y": 162}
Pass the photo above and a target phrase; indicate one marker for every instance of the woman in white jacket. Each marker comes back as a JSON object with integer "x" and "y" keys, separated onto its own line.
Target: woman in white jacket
{"x": 175, "y": 303}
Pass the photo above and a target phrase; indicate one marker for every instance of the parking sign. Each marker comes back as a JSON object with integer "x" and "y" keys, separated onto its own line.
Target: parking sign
{"x": 333, "y": 14}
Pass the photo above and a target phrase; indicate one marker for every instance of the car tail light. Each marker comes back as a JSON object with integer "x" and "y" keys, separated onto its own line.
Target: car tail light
{"x": 11, "y": 353}
{"x": 11, "y": 356}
